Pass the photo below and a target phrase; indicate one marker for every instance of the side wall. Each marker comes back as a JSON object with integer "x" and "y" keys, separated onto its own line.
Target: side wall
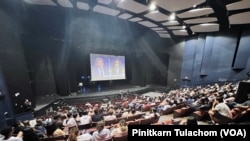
{"x": 216, "y": 57}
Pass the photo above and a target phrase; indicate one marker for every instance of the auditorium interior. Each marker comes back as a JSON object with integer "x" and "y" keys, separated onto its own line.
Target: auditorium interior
{"x": 174, "y": 50}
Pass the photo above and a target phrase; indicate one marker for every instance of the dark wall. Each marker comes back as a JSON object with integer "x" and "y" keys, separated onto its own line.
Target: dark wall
{"x": 14, "y": 75}
{"x": 175, "y": 63}
{"x": 216, "y": 57}
{"x": 39, "y": 62}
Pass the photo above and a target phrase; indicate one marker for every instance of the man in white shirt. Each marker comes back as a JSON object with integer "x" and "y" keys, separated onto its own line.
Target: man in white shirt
{"x": 85, "y": 118}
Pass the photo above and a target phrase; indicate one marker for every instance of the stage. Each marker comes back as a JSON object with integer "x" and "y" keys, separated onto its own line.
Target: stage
{"x": 99, "y": 95}
{"x": 106, "y": 94}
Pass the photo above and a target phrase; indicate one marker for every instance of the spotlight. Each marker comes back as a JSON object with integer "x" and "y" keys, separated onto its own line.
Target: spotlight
{"x": 172, "y": 17}
{"x": 17, "y": 94}
{"x": 152, "y": 6}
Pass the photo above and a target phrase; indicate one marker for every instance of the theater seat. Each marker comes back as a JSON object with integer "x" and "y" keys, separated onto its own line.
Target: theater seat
{"x": 237, "y": 115}
{"x": 184, "y": 111}
{"x": 201, "y": 115}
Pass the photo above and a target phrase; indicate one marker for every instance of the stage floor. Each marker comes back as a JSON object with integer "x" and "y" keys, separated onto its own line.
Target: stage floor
{"x": 113, "y": 91}
{"x": 95, "y": 94}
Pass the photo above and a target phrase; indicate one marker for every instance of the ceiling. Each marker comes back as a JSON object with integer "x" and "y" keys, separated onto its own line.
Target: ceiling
{"x": 169, "y": 18}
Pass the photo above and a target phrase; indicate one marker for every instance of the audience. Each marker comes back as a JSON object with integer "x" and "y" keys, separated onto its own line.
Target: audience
{"x": 214, "y": 99}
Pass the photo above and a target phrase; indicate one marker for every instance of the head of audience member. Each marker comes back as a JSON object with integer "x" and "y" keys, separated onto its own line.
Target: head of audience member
{"x": 111, "y": 112}
{"x": 84, "y": 113}
{"x": 123, "y": 125}
{"x": 69, "y": 115}
{"x": 219, "y": 99}
{"x": 100, "y": 126}
{"x": 96, "y": 112}
{"x": 73, "y": 133}
{"x": 133, "y": 111}
{"x": 7, "y": 132}
{"x": 75, "y": 114}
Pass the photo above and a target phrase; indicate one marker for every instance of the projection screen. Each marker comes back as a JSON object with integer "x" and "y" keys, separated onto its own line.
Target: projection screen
{"x": 107, "y": 67}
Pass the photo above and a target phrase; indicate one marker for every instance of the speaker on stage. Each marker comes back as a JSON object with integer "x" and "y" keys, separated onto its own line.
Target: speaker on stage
{"x": 242, "y": 92}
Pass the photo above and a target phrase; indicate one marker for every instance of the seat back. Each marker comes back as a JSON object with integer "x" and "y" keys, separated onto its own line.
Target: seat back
{"x": 84, "y": 126}
{"x": 58, "y": 138}
{"x": 120, "y": 138}
{"x": 146, "y": 121}
{"x": 110, "y": 122}
{"x": 137, "y": 122}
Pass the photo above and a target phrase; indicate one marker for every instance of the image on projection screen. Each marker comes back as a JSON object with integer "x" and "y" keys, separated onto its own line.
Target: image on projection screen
{"x": 107, "y": 67}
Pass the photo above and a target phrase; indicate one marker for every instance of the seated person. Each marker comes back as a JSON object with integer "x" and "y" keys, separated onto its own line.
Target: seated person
{"x": 8, "y": 134}
{"x": 101, "y": 133}
{"x": 59, "y": 130}
{"x": 121, "y": 129}
{"x": 85, "y": 118}
{"x": 245, "y": 104}
{"x": 221, "y": 108}
{"x": 74, "y": 135}
{"x": 110, "y": 116}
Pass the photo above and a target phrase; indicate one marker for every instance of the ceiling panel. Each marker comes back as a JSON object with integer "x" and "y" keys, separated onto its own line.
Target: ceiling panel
{"x": 162, "y": 31}
{"x": 124, "y": 16}
{"x": 157, "y": 28}
{"x": 41, "y": 2}
{"x": 170, "y": 23}
{"x": 210, "y": 27}
{"x": 196, "y": 13}
{"x": 82, "y": 5}
{"x": 180, "y": 32}
{"x": 135, "y": 19}
{"x": 148, "y": 24}
{"x": 105, "y": 10}
{"x": 162, "y": 35}
{"x": 175, "y": 27}
{"x": 157, "y": 16}
{"x": 239, "y": 5}
{"x": 132, "y": 6}
{"x": 65, "y": 3}
{"x": 201, "y": 20}
{"x": 241, "y": 18}
{"x": 105, "y": 1}
{"x": 176, "y": 5}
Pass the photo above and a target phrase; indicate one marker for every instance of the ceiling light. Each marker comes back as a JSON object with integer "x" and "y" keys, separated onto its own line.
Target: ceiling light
{"x": 183, "y": 27}
{"x": 172, "y": 17}
{"x": 152, "y": 6}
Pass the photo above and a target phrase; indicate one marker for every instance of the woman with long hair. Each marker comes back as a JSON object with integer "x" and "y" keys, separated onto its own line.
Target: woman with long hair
{"x": 75, "y": 135}
{"x": 121, "y": 129}
{"x": 101, "y": 133}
